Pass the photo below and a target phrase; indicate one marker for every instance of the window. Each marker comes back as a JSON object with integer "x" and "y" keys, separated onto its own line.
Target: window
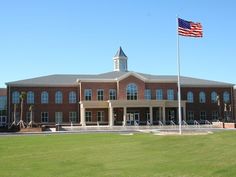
{"x": 3, "y": 102}
{"x": 190, "y": 115}
{"x": 100, "y": 116}
{"x": 190, "y": 97}
{"x": 15, "y": 97}
{"x": 72, "y": 97}
{"x": 58, "y": 97}
{"x": 73, "y": 117}
{"x": 58, "y": 117}
{"x": 100, "y": 94}
{"x": 88, "y": 94}
{"x": 202, "y": 97}
{"x": 30, "y": 97}
{"x": 44, "y": 97}
{"x": 215, "y": 115}
{"x": 147, "y": 94}
{"x": 170, "y": 94}
{"x": 226, "y": 97}
{"x": 112, "y": 94}
{"x": 213, "y": 97}
{"x": 132, "y": 92}
{"x": 88, "y": 116}
{"x": 203, "y": 115}
{"x": 159, "y": 94}
{"x": 44, "y": 117}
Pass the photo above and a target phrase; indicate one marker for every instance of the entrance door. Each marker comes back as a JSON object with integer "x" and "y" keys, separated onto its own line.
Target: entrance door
{"x": 132, "y": 117}
{"x": 171, "y": 115}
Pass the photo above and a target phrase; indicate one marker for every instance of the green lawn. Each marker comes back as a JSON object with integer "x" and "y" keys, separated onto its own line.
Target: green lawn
{"x": 113, "y": 155}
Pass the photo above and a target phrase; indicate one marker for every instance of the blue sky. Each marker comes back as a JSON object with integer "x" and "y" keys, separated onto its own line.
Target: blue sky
{"x": 45, "y": 37}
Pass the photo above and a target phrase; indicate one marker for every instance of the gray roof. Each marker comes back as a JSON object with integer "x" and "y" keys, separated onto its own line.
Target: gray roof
{"x": 120, "y": 53}
{"x": 70, "y": 80}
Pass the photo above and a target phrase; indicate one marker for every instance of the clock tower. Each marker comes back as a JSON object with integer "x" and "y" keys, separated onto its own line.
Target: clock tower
{"x": 120, "y": 61}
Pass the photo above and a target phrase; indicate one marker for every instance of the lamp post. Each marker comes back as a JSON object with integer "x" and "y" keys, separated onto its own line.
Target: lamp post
{"x": 218, "y": 104}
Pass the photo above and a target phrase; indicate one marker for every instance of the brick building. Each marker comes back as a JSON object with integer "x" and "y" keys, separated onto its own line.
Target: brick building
{"x": 120, "y": 97}
{"x": 3, "y": 106}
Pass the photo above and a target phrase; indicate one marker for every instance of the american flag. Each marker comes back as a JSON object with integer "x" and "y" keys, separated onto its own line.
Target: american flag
{"x": 189, "y": 29}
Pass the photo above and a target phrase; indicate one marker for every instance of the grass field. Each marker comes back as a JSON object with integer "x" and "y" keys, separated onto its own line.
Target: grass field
{"x": 139, "y": 155}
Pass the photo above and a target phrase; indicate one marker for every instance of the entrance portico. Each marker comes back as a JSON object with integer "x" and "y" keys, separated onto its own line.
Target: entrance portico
{"x": 134, "y": 112}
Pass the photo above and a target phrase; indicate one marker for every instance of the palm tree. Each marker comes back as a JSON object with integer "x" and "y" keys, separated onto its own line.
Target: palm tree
{"x": 22, "y": 98}
{"x": 31, "y": 116}
{"x": 14, "y": 116}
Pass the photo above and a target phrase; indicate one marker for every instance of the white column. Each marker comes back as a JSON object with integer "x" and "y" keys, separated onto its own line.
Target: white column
{"x": 164, "y": 114}
{"x": 111, "y": 116}
{"x": 124, "y": 116}
{"x": 151, "y": 115}
{"x": 82, "y": 115}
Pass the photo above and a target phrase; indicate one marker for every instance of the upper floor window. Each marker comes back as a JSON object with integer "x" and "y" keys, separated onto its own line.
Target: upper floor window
{"x": 15, "y": 97}
{"x": 147, "y": 94}
{"x": 100, "y": 94}
{"x": 202, "y": 97}
{"x": 226, "y": 97}
{"x": 159, "y": 94}
{"x": 44, "y": 97}
{"x": 190, "y": 97}
{"x": 30, "y": 97}
{"x": 170, "y": 94}
{"x": 112, "y": 94}
{"x": 213, "y": 97}
{"x": 58, "y": 97}
{"x": 132, "y": 92}
{"x": 88, "y": 94}
{"x": 72, "y": 97}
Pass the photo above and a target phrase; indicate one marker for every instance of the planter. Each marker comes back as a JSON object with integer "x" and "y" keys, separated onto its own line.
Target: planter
{"x": 229, "y": 125}
{"x": 218, "y": 124}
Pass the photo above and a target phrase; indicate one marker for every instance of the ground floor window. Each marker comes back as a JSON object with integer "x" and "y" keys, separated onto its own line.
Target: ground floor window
{"x": 190, "y": 115}
{"x": 203, "y": 115}
{"x": 72, "y": 117}
{"x": 58, "y": 117}
{"x": 88, "y": 116}
{"x": 100, "y": 116}
{"x": 214, "y": 115}
{"x": 44, "y": 117}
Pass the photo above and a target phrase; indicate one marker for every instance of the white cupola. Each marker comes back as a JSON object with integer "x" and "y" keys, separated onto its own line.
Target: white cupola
{"x": 120, "y": 61}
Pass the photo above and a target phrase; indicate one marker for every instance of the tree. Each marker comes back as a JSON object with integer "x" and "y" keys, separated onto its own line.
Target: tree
{"x": 22, "y": 98}
{"x": 14, "y": 116}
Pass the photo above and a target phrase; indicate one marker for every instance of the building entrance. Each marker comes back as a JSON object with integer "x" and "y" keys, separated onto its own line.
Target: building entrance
{"x": 132, "y": 118}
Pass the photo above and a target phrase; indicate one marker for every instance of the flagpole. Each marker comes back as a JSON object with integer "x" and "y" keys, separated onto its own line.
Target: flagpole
{"x": 178, "y": 69}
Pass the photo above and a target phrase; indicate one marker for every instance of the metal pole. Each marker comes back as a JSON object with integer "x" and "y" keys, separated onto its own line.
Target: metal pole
{"x": 178, "y": 69}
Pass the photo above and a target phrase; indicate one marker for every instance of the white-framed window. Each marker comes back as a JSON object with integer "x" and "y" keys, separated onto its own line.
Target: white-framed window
{"x": 100, "y": 94}
{"x": 100, "y": 116}
{"x": 213, "y": 97}
{"x": 147, "y": 94}
{"x": 88, "y": 94}
{"x": 190, "y": 97}
{"x": 226, "y": 97}
{"x": 44, "y": 97}
{"x": 203, "y": 115}
{"x": 112, "y": 94}
{"x": 170, "y": 94}
{"x": 202, "y": 97}
{"x": 88, "y": 116}
{"x": 15, "y": 97}
{"x": 132, "y": 92}
{"x": 214, "y": 115}
{"x": 30, "y": 97}
{"x": 159, "y": 94}
{"x": 58, "y": 117}
{"x": 190, "y": 115}
{"x": 44, "y": 117}
{"x": 3, "y": 102}
{"x": 73, "y": 117}
{"x": 72, "y": 97}
{"x": 58, "y": 97}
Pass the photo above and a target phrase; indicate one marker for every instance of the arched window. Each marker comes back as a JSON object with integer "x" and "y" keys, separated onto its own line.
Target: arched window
{"x": 30, "y": 97}
{"x": 58, "y": 97}
{"x": 44, "y": 97}
{"x": 190, "y": 97}
{"x": 72, "y": 97}
{"x": 15, "y": 97}
{"x": 132, "y": 92}
{"x": 170, "y": 94}
{"x": 202, "y": 97}
{"x": 226, "y": 97}
{"x": 213, "y": 97}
